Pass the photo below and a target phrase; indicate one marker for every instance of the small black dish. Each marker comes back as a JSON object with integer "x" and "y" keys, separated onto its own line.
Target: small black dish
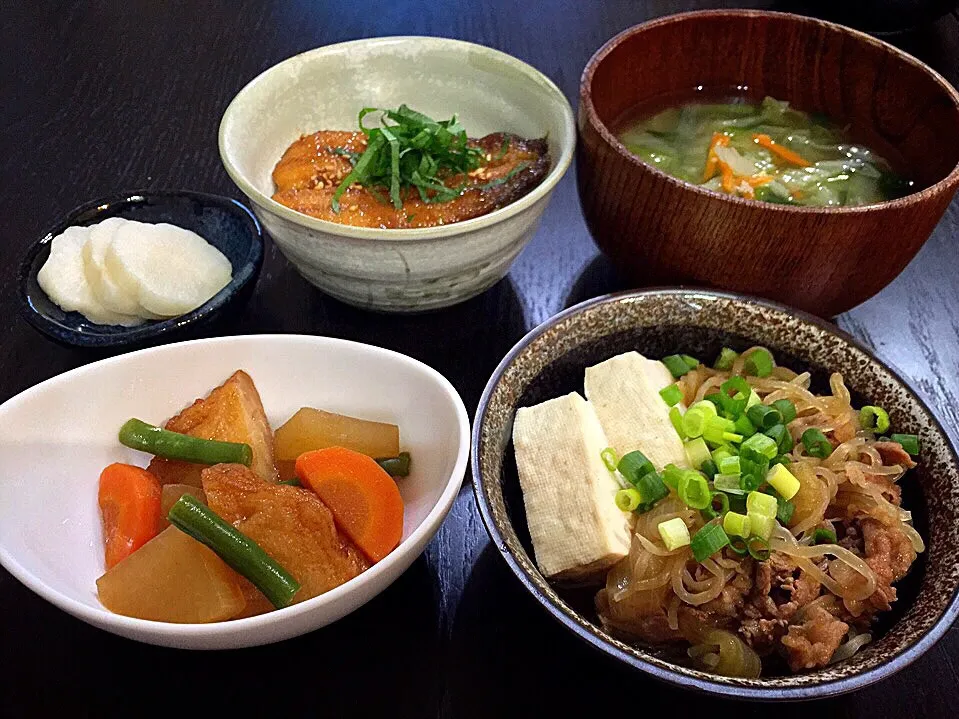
{"x": 221, "y": 221}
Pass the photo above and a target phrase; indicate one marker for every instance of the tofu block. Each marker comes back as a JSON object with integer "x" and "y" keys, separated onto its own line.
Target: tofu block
{"x": 577, "y": 530}
{"x": 624, "y": 390}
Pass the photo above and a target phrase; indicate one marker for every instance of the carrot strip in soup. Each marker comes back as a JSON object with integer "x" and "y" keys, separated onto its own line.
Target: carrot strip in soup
{"x": 729, "y": 178}
{"x": 783, "y": 152}
{"x": 712, "y": 160}
{"x": 363, "y": 498}
{"x": 129, "y": 499}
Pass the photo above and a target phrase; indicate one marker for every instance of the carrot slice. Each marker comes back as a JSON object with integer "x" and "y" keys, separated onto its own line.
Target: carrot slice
{"x": 363, "y": 498}
{"x": 712, "y": 160}
{"x": 129, "y": 499}
{"x": 783, "y": 152}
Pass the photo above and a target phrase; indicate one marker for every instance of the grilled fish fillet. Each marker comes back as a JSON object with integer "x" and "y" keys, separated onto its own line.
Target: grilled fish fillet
{"x": 312, "y": 167}
{"x": 232, "y": 412}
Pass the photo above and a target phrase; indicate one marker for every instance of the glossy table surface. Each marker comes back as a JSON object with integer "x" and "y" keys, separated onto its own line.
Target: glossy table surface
{"x": 99, "y": 97}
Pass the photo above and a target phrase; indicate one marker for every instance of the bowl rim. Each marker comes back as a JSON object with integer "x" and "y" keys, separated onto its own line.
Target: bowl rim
{"x": 242, "y": 275}
{"x": 705, "y": 686}
{"x": 103, "y": 618}
{"x": 567, "y": 143}
{"x": 947, "y": 184}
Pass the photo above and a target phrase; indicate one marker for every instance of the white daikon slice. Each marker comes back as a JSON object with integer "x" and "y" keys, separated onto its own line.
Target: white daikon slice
{"x": 63, "y": 278}
{"x": 173, "y": 270}
{"x": 110, "y": 294}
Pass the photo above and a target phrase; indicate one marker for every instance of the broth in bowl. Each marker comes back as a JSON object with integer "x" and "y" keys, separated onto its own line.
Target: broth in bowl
{"x": 763, "y": 150}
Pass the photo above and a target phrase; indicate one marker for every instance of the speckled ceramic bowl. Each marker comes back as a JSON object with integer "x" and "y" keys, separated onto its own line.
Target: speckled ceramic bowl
{"x": 395, "y": 270}
{"x": 550, "y": 361}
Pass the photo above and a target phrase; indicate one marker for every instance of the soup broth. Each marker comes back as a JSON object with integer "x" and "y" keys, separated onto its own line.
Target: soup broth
{"x": 763, "y": 150}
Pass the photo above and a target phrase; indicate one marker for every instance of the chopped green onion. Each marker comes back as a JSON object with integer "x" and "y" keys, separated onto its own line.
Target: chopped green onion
{"x": 712, "y": 511}
{"x": 762, "y": 444}
{"x": 708, "y": 540}
{"x": 759, "y": 363}
{"x": 873, "y": 418}
{"x": 731, "y": 483}
{"x": 823, "y": 536}
{"x": 736, "y": 524}
{"x": 678, "y": 365}
{"x": 744, "y": 426}
{"x": 761, "y": 503}
{"x": 694, "y": 421}
{"x": 758, "y": 548}
{"x": 693, "y": 490}
{"x": 781, "y": 459}
{"x": 671, "y": 475}
{"x": 780, "y": 435}
{"x": 721, "y": 453}
{"x": 295, "y": 482}
{"x": 725, "y": 359}
{"x": 733, "y": 437}
{"x": 738, "y": 545}
{"x": 716, "y": 427}
{"x": 674, "y": 532}
{"x": 761, "y": 524}
{"x": 634, "y": 465}
{"x": 628, "y": 499}
{"x": 909, "y": 442}
{"x": 753, "y": 399}
{"x": 783, "y": 481}
{"x": 816, "y": 443}
{"x": 676, "y": 418}
{"x": 609, "y": 459}
{"x": 729, "y": 465}
{"x": 696, "y": 452}
{"x": 671, "y": 395}
{"x": 784, "y": 511}
{"x": 733, "y": 395}
{"x": 709, "y": 468}
{"x": 786, "y": 408}
{"x": 651, "y": 488}
{"x": 764, "y": 416}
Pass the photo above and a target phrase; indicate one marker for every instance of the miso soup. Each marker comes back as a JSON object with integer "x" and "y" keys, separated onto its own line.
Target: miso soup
{"x": 764, "y": 151}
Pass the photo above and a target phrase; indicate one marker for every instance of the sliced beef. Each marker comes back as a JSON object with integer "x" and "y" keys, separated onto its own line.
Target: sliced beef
{"x": 780, "y": 589}
{"x": 889, "y": 554}
{"x": 893, "y": 453}
{"x": 810, "y": 645}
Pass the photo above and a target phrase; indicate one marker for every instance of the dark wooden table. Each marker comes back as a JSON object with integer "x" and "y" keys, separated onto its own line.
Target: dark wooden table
{"x": 98, "y": 97}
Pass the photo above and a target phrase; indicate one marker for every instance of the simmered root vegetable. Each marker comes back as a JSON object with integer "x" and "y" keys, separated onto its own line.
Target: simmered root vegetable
{"x": 311, "y": 429}
{"x": 172, "y": 578}
{"x": 207, "y": 533}
{"x": 129, "y": 499}
{"x": 364, "y": 499}
{"x": 171, "y": 493}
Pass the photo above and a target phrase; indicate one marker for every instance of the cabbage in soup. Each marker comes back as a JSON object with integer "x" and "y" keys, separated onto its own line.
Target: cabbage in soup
{"x": 764, "y": 151}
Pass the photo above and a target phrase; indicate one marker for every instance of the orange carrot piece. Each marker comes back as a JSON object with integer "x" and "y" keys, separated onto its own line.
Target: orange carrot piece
{"x": 757, "y": 180}
{"x": 712, "y": 160}
{"x": 783, "y": 152}
{"x": 729, "y": 178}
{"x": 363, "y": 498}
{"x": 129, "y": 499}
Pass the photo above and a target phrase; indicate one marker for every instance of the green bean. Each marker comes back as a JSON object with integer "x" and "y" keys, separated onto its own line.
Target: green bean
{"x": 235, "y": 548}
{"x": 173, "y": 445}
{"x": 396, "y": 466}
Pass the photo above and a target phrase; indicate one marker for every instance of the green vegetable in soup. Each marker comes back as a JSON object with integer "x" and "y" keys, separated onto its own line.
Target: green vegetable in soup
{"x": 765, "y": 151}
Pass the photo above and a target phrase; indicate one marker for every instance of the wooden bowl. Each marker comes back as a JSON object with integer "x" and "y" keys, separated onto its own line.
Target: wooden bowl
{"x": 661, "y": 230}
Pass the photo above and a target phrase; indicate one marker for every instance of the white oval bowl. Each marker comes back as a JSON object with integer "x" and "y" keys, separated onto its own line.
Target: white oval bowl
{"x": 325, "y": 88}
{"x": 56, "y": 437}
